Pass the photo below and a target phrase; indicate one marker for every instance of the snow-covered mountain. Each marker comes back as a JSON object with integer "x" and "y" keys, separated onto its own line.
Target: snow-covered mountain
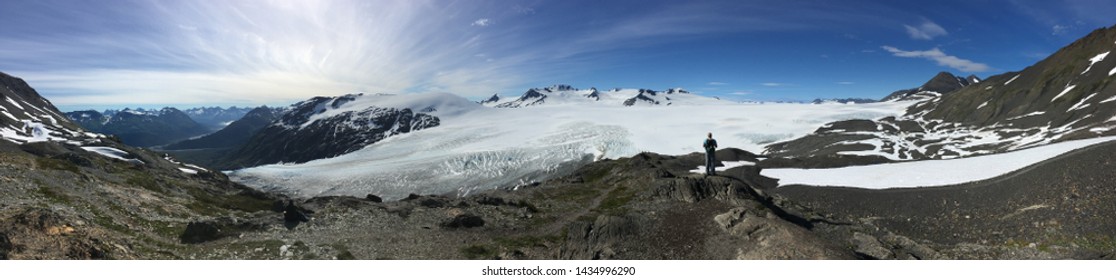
{"x": 25, "y": 116}
{"x": 565, "y": 94}
{"x": 1066, "y": 96}
{"x": 139, "y": 127}
{"x": 325, "y": 127}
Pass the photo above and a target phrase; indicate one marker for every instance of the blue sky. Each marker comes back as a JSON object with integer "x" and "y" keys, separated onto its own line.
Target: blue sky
{"x": 100, "y": 54}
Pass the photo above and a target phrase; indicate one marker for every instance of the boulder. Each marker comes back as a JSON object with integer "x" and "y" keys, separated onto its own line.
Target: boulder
{"x": 464, "y": 221}
{"x": 871, "y": 247}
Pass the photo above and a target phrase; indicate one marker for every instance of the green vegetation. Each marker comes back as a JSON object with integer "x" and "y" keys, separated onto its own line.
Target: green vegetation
{"x": 478, "y": 252}
{"x": 50, "y": 194}
{"x": 528, "y": 241}
{"x": 210, "y": 204}
{"x": 597, "y": 174}
{"x": 56, "y": 164}
{"x": 144, "y": 180}
{"x": 614, "y": 202}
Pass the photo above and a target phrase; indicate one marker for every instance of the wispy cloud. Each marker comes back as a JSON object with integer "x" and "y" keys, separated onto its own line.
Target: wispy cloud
{"x": 846, "y": 83}
{"x": 742, "y": 92}
{"x": 717, "y": 83}
{"x": 179, "y": 52}
{"x": 1059, "y": 29}
{"x": 773, "y": 84}
{"x": 925, "y": 31}
{"x": 941, "y": 58}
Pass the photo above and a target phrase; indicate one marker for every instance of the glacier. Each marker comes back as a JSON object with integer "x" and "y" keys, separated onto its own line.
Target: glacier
{"x": 480, "y": 148}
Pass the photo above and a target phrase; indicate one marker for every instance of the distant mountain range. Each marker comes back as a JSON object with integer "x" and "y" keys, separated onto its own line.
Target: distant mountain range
{"x": 565, "y": 94}
{"x": 150, "y": 127}
{"x": 215, "y": 118}
{"x": 233, "y": 135}
{"x": 141, "y": 128}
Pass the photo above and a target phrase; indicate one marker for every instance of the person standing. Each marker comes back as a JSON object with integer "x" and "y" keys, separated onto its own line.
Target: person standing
{"x": 710, "y": 155}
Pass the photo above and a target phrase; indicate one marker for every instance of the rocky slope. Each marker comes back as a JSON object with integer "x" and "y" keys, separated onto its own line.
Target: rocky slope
{"x": 25, "y": 116}
{"x": 1066, "y": 96}
{"x": 72, "y": 194}
{"x": 652, "y": 207}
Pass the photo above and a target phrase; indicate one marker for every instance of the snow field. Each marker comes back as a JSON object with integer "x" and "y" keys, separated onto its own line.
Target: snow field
{"x": 928, "y": 173}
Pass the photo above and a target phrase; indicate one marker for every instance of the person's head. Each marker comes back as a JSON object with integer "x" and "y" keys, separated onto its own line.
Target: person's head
{"x": 710, "y": 135}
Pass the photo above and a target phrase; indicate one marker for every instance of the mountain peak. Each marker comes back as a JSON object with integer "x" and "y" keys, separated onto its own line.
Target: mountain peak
{"x": 942, "y": 83}
{"x": 491, "y": 100}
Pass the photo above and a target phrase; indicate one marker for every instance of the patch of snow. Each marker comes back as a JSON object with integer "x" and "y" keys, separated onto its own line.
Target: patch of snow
{"x": 1111, "y": 72}
{"x": 1081, "y": 104}
{"x": 982, "y": 105}
{"x": 1012, "y": 79}
{"x": 1031, "y": 114}
{"x": 928, "y": 173}
{"x": 1110, "y": 99}
{"x": 9, "y": 115}
{"x": 188, "y": 171}
{"x": 1094, "y": 60}
{"x": 13, "y": 102}
{"x": 727, "y": 165}
{"x": 1068, "y": 88}
{"x": 111, "y": 152}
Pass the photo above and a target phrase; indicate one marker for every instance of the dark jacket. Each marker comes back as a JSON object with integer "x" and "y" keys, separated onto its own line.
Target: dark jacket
{"x": 710, "y": 145}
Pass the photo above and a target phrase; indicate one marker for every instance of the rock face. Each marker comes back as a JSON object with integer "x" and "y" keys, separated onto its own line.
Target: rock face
{"x": 1066, "y": 96}
{"x": 306, "y": 133}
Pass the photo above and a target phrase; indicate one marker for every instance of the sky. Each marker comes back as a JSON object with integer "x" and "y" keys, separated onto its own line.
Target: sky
{"x": 115, "y": 53}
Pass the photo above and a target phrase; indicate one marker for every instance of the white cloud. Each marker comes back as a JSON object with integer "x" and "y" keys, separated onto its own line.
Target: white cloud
{"x": 717, "y": 83}
{"x": 482, "y": 22}
{"x": 742, "y": 92}
{"x": 1059, "y": 29}
{"x": 845, "y": 83}
{"x": 772, "y": 84}
{"x": 523, "y": 10}
{"x": 941, "y": 58}
{"x": 925, "y": 31}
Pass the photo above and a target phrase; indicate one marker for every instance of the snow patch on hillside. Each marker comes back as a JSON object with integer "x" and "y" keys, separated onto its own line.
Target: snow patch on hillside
{"x": 928, "y": 173}
{"x": 1094, "y": 60}
{"x": 113, "y": 153}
